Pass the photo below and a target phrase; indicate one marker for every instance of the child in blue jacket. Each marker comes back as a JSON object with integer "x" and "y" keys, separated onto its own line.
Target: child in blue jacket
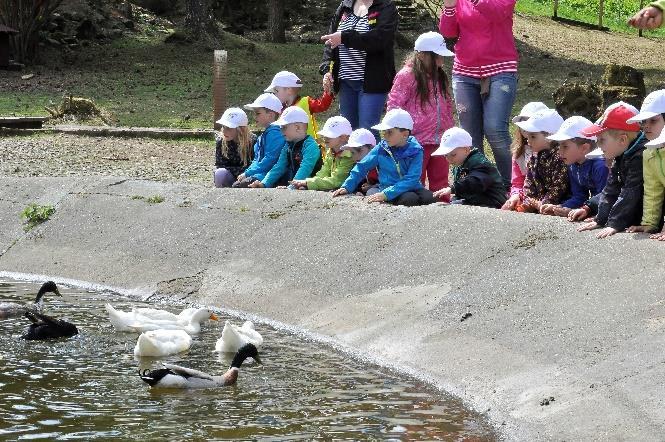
{"x": 300, "y": 157}
{"x": 399, "y": 159}
{"x": 268, "y": 146}
{"x": 587, "y": 176}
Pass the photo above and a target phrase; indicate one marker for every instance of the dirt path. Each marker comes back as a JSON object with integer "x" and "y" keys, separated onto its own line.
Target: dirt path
{"x": 67, "y": 155}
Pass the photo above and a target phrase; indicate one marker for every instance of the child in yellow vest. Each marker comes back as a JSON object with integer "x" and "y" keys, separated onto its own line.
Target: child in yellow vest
{"x": 287, "y": 86}
{"x": 652, "y": 120}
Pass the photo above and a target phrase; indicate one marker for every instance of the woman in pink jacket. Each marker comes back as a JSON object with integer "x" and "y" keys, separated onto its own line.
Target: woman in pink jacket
{"x": 421, "y": 88}
{"x": 484, "y": 71}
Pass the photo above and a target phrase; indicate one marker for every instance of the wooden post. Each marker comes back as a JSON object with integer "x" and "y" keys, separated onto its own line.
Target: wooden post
{"x": 555, "y": 13}
{"x": 601, "y": 12}
{"x": 219, "y": 85}
{"x": 639, "y": 32}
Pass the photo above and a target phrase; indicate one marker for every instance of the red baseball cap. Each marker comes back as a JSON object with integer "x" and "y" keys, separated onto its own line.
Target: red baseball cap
{"x": 615, "y": 117}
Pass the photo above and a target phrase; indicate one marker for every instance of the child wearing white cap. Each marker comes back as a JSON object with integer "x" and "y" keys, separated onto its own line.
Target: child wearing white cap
{"x": 337, "y": 164}
{"x": 399, "y": 159}
{"x": 269, "y": 145}
{"x": 587, "y": 176}
{"x": 521, "y": 152}
{"x": 546, "y": 179}
{"x": 652, "y": 120}
{"x": 233, "y": 148}
{"x": 300, "y": 157}
{"x": 360, "y": 143}
{"x": 422, "y": 89}
{"x": 287, "y": 87}
{"x": 476, "y": 181}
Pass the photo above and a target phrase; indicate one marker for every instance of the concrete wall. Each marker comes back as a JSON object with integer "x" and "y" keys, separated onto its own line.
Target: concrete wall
{"x": 554, "y": 312}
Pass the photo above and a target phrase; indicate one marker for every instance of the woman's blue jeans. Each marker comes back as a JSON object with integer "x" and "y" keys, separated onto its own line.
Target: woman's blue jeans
{"x": 360, "y": 108}
{"x": 488, "y": 116}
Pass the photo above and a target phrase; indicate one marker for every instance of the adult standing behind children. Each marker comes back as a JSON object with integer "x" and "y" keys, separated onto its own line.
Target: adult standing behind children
{"x": 484, "y": 71}
{"x": 360, "y": 59}
{"x": 422, "y": 89}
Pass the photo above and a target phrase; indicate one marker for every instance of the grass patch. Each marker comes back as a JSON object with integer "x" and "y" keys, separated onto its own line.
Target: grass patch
{"x": 35, "y": 214}
{"x": 143, "y": 81}
{"x": 616, "y": 12}
{"x": 155, "y": 199}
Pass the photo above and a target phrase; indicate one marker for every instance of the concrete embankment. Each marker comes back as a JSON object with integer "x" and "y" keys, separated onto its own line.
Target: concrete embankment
{"x": 554, "y": 313}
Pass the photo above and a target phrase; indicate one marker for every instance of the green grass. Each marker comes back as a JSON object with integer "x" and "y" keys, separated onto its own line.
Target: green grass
{"x": 143, "y": 81}
{"x": 155, "y": 199}
{"x": 616, "y": 12}
{"x": 34, "y": 214}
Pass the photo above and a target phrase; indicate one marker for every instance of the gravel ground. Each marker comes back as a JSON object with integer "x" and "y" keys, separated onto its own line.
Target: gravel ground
{"x": 67, "y": 155}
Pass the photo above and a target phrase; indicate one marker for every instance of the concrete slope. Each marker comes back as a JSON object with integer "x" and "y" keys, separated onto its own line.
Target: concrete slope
{"x": 555, "y": 313}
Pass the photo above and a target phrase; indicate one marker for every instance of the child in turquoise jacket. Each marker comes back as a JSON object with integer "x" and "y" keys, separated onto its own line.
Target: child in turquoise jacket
{"x": 300, "y": 157}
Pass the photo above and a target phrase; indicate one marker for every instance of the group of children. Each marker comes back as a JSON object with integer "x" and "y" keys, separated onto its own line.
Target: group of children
{"x": 573, "y": 168}
{"x": 610, "y": 174}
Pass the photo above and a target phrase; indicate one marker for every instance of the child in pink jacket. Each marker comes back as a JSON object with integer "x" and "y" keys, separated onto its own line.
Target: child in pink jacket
{"x": 421, "y": 88}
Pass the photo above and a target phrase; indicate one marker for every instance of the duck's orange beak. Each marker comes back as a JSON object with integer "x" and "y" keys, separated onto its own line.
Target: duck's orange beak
{"x": 213, "y": 317}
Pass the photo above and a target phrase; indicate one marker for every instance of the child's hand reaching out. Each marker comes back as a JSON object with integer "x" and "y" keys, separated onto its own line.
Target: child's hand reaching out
{"x": 443, "y": 192}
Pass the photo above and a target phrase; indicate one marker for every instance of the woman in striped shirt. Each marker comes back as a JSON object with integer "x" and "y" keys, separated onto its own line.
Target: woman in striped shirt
{"x": 359, "y": 58}
{"x": 484, "y": 71}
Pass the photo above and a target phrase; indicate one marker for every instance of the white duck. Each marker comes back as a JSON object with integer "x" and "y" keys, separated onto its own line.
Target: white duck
{"x": 234, "y": 337}
{"x": 145, "y": 319}
{"x": 162, "y": 343}
{"x": 13, "y": 309}
{"x": 175, "y": 376}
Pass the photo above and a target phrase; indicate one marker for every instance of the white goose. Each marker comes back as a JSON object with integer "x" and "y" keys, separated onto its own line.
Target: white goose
{"x": 162, "y": 343}
{"x": 146, "y": 319}
{"x": 175, "y": 376}
{"x": 234, "y": 337}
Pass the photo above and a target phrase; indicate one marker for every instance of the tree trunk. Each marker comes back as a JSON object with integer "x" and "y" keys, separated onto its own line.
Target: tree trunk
{"x": 276, "y": 21}
{"x": 197, "y": 17}
{"x": 27, "y": 18}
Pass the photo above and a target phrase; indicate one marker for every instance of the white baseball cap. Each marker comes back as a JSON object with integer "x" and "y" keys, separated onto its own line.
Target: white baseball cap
{"x": 432, "y": 42}
{"x": 293, "y": 114}
{"x": 654, "y": 104}
{"x": 546, "y": 120}
{"x": 528, "y": 110}
{"x": 359, "y": 138}
{"x": 572, "y": 128}
{"x": 335, "y": 127}
{"x": 269, "y": 101}
{"x": 233, "y": 117}
{"x": 284, "y": 79}
{"x": 395, "y": 118}
{"x": 596, "y": 153}
{"x": 657, "y": 142}
{"x": 452, "y": 139}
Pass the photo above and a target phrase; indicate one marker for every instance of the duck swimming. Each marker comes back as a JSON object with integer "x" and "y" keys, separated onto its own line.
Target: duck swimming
{"x": 162, "y": 343}
{"x": 177, "y": 377}
{"x": 14, "y": 310}
{"x": 45, "y": 327}
{"x": 145, "y": 319}
{"x": 234, "y": 337}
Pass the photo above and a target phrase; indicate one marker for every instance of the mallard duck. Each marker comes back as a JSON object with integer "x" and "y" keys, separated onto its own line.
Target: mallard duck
{"x": 175, "y": 376}
{"x": 14, "y": 310}
{"x": 162, "y": 343}
{"x": 145, "y": 319}
{"x": 234, "y": 337}
{"x": 45, "y": 327}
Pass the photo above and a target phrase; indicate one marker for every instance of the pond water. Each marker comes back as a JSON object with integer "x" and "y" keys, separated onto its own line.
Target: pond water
{"x": 87, "y": 387}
